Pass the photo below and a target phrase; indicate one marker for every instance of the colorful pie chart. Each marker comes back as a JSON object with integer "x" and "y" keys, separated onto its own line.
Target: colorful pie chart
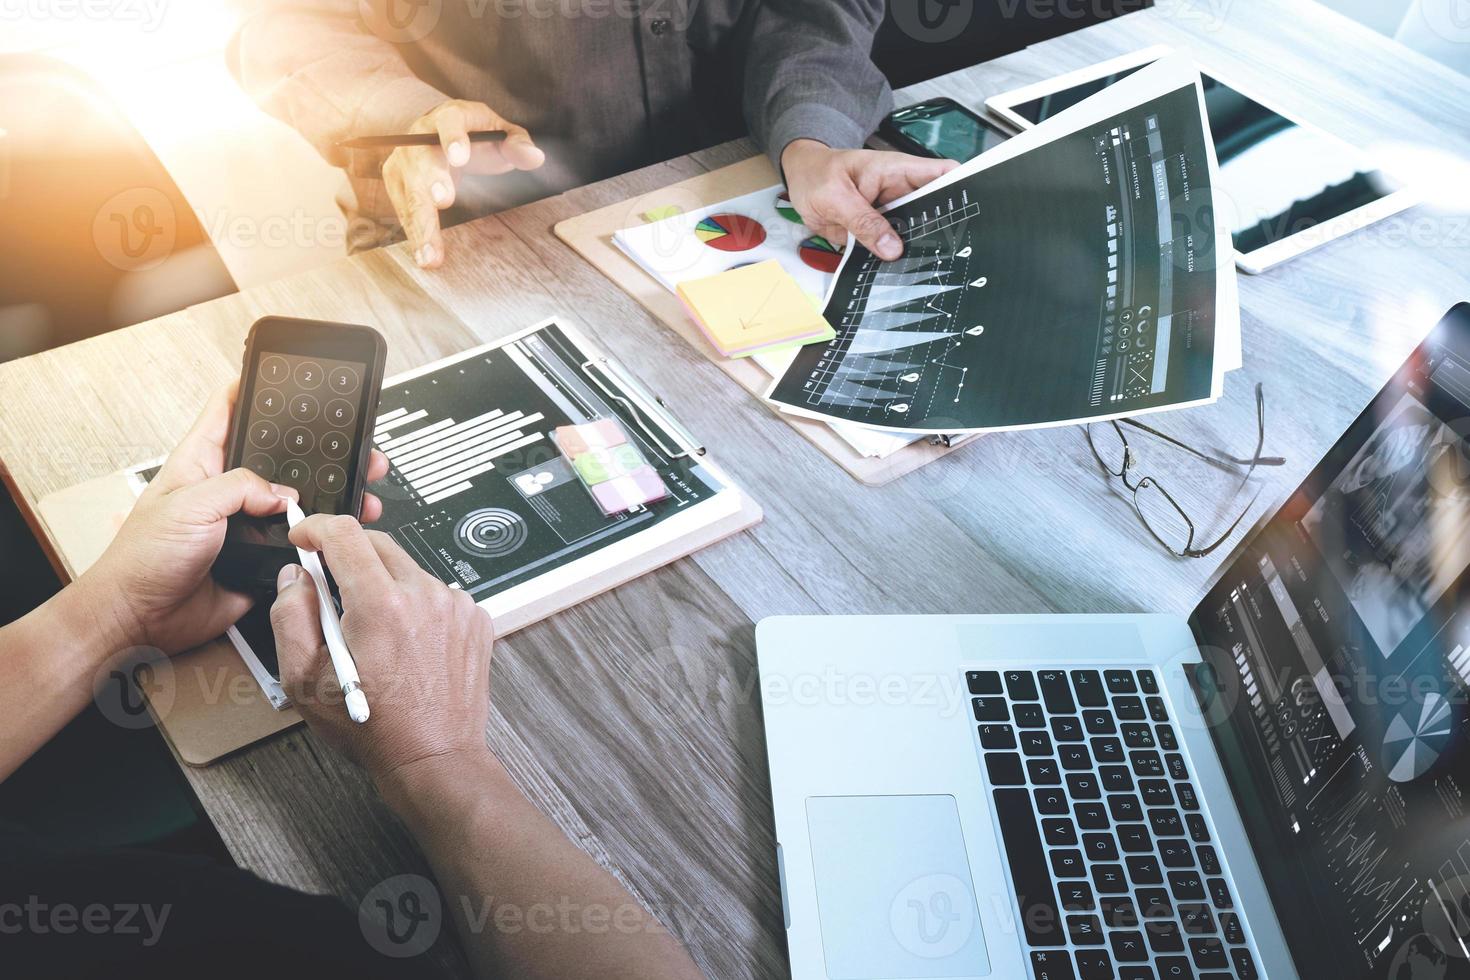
{"x": 785, "y": 209}
{"x": 730, "y": 232}
{"x": 820, "y": 254}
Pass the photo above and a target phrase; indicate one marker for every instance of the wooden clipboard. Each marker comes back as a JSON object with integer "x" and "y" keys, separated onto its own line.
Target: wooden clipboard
{"x": 205, "y": 701}
{"x": 591, "y": 236}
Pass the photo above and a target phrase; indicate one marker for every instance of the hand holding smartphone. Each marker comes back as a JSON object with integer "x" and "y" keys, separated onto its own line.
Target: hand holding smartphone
{"x": 304, "y": 418}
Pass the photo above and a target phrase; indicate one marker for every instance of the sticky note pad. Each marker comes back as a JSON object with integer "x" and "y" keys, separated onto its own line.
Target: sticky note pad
{"x": 753, "y": 308}
{"x": 609, "y": 466}
{"x": 642, "y": 486}
{"x": 601, "y": 465}
{"x": 574, "y": 440}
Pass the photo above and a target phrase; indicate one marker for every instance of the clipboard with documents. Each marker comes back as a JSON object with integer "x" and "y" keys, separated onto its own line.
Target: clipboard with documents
{"x": 478, "y": 493}
{"x": 870, "y": 457}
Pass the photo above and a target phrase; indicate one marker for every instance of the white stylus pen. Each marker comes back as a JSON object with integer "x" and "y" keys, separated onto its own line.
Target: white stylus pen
{"x": 342, "y": 662}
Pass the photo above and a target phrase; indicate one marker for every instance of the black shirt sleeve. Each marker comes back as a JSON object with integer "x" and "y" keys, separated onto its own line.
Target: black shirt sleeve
{"x": 133, "y": 913}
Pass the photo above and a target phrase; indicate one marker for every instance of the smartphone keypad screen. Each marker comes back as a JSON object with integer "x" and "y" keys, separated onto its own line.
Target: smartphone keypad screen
{"x": 303, "y": 415}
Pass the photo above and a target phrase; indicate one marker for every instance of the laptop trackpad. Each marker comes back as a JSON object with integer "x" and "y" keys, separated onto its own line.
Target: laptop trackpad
{"x": 893, "y": 888}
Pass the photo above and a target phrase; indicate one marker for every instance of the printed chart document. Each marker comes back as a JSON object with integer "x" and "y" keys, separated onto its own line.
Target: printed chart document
{"x": 1073, "y": 273}
{"x": 676, "y": 245}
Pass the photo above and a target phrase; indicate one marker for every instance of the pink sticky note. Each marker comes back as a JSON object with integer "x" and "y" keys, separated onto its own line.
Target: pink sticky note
{"x": 574, "y": 440}
{"x": 649, "y": 484}
{"x": 642, "y": 486}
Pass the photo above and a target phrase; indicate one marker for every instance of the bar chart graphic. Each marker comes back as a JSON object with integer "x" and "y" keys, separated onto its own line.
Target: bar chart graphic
{"x": 444, "y": 457}
{"x": 476, "y": 489}
{"x": 1459, "y": 659}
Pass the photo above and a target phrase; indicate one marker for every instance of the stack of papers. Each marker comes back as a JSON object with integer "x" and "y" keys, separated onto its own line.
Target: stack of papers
{"x": 753, "y": 308}
{"x": 1074, "y": 273}
{"x": 675, "y": 246}
{"x": 1071, "y": 274}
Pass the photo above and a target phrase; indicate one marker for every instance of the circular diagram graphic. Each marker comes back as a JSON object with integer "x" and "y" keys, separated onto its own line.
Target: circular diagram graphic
{"x": 730, "y": 232}
{"x": 1416, "y": 738}
{"x": 491, "y": 532}
{"x": 786, "y": 210}
{"x": 820, "y": 254}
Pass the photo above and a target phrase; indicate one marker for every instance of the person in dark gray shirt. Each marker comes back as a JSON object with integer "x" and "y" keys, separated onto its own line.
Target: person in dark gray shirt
{"x": 586, "y": 89}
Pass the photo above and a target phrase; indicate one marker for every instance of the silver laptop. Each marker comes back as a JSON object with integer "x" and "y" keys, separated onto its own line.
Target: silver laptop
{"x": 1274, "y": 787}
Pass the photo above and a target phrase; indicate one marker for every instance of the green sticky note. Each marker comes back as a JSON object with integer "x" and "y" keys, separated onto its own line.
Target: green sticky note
{"x": 625, "y": 459}
{"x": 591, "y": 468}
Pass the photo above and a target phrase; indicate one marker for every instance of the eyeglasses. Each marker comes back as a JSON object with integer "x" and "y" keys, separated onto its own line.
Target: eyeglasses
{"x": 1156, "y": 507}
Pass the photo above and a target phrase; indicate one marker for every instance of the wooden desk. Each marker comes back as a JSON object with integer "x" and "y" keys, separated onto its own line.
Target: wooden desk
{"x": 649, "y": 754}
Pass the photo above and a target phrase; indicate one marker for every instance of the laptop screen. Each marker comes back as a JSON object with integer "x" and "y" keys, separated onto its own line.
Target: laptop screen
{"x": 1337, "y": 654}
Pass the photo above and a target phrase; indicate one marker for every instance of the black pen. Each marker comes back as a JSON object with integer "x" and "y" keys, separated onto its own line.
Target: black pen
{"x": 417, "y": 139}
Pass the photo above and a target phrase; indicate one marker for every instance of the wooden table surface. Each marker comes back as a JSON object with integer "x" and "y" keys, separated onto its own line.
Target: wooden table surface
{"x": 634, "y": 719}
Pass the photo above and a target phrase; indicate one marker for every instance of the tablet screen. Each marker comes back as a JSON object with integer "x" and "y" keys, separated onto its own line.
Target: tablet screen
{"x": 1277, "y": 178}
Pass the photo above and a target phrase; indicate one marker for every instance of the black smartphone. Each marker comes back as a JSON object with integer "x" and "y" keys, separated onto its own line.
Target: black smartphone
{"x": 940, "y": 128}
{"x": 303, "y": 418}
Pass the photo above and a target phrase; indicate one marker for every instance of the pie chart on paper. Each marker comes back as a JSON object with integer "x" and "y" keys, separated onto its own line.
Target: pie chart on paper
{"x": 1416, "y": 738}
{"x": 730, "y": 232}
{"x": 820, "y": 254}
{"x": 786, "y": 209}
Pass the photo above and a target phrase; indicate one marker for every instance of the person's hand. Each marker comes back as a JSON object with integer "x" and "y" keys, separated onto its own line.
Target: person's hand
{"x": 835, "y": 190}
{"x": 422, "y": 651}
{"x": 422, "y": 180}
{"x": 152, "y": 587}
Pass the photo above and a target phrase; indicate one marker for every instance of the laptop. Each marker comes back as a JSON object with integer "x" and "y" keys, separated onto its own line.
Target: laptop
{"x": 1275, "y": 786}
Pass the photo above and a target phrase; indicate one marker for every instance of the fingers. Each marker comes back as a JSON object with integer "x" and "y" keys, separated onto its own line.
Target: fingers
{"x": 844, "y": 187}
{"x": 372, "y": 509}
{"x": 421, "y": 181}
{"x": 239, "y": 490}
{"x": 904, "y": 174}
{"x": 865, "y": 224}
{"x": 201, "y": 453}
{"x": 360, "y": 573}
{"x": 412, "y": 177}
{"x": 518, "y": 149}
{"x": 454, "y": 134}
{"x": 218, "y": 608}
{"x": 398, "y": 562}
{"x": 297, "y": 625}
{"x": 517, "y": 152}
{"x": 377, "y": 466}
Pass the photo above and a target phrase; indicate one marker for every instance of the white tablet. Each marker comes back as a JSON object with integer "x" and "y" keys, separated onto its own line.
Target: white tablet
{"x": 1286, "y": 187}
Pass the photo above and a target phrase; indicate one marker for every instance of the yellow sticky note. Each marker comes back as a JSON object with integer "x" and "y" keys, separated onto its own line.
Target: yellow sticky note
{"x": 754, "y": 307}
{"x": 660, "y": 213}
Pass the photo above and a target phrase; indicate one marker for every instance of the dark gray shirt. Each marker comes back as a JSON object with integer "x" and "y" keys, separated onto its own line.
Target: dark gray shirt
{"x": 604, "y": 86}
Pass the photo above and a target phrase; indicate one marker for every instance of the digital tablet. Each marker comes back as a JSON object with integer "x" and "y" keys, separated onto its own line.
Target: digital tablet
{"x": 1286, "y": 187}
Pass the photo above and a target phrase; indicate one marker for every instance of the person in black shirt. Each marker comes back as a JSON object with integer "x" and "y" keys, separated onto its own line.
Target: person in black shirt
{"x": 423, "y": 651}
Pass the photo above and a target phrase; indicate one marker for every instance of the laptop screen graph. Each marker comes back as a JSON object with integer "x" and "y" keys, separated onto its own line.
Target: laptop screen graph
{"x": 1337, "y": 657}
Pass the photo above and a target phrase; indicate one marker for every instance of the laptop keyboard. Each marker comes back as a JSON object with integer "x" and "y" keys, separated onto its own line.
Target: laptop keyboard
{"x": 1114, "y": 867}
